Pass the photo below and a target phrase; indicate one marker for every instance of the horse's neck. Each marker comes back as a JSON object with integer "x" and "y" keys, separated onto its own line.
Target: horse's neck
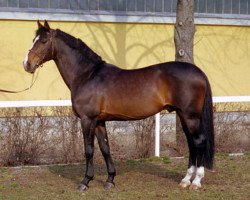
{"x": 68, "y": 65}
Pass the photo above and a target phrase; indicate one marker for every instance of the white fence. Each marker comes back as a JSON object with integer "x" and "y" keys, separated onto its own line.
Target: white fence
{"x": 42, "y": 103}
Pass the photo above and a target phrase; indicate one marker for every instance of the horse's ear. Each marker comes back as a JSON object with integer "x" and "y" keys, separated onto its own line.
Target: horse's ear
{"x": 46, "y": 25}
{"x": 39, "y": 24}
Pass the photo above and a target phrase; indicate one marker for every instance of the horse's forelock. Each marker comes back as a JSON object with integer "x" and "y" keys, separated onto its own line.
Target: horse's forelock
{"x": 41, "y": 32}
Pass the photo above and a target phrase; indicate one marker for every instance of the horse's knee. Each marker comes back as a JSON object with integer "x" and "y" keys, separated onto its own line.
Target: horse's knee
{"x": 104, "y": 147}
{"x": 105, "y": 151}
{"x": 89, "y": 152}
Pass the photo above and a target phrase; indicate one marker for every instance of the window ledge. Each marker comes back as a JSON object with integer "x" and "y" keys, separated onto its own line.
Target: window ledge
{"x": 129, "y": 17}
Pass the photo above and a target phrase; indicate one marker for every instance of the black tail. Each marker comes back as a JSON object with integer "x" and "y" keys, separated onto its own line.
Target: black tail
{"x": 207, "y": 128}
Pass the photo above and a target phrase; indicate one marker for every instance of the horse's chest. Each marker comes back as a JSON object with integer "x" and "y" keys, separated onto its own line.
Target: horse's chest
{"x": 87, "y": 104}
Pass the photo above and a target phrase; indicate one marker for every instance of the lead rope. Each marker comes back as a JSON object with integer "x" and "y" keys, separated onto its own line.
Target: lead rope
{"x": 33, "y": 80}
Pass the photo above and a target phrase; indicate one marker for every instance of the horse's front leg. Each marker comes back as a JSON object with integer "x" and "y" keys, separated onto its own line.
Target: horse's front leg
{"x": 88, "y": 128}
{"x": 101, "y": 134}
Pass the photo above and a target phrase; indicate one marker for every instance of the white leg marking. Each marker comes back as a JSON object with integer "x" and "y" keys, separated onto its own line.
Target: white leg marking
{"x": 186, "y": 180}
{"x": 196, "y": 184}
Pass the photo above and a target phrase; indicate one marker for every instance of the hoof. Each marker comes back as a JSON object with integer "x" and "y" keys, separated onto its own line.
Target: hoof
{"x": 185, "y": 184}
{"x": 82, "y": 188}
{"x": 195, "y": 186}
{"x": 108, "y": 185}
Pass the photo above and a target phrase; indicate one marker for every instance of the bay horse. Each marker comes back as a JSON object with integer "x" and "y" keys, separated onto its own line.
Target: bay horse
{"x": 103, "y": 92}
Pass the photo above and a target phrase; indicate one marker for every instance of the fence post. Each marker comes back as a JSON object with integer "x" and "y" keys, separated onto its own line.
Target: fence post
{"x": 157, "y": 134}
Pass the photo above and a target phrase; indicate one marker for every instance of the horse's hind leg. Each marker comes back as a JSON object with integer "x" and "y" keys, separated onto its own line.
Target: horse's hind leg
{"x": 186, "y": 181}
{"x": 191, "y": 126}
{"x": 199, "y": 142}
{"x": 102, "y": 138}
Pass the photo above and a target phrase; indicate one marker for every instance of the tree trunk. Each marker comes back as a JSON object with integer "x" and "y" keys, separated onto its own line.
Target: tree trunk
{"x": 184, "y": 39}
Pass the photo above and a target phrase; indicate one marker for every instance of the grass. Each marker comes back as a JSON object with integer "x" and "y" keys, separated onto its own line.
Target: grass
{"x": 151, "y": 178}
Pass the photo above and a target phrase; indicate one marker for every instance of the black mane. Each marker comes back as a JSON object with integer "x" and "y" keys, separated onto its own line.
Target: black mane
{"x": 86, "y": 54}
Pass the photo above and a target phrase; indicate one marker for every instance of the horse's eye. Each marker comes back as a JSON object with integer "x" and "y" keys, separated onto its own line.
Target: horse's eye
{"x": 43, "y": 40}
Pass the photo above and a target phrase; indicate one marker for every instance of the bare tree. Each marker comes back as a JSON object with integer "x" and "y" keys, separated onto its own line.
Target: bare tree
{"x": 184, "y": 38}
{"x": 184, "y": 31}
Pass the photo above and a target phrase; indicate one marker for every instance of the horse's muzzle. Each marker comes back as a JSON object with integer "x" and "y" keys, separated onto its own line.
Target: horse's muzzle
{"x": 28, "y": 68}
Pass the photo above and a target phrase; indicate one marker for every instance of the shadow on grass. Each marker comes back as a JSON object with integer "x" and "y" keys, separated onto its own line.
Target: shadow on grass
{"x": 76, "y": 172}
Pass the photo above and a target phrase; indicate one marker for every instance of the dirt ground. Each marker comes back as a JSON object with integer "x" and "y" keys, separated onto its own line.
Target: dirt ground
{"x": 136, "y": 179}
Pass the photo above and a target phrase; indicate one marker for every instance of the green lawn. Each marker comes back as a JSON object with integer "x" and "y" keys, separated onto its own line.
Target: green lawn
{"x": 144, "y": 179}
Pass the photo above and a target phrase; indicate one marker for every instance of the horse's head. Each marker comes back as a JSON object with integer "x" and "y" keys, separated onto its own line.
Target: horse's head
{"x": 41, "y": 49}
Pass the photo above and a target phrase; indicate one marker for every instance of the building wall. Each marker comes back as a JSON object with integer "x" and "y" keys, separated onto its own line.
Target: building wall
{"x": 223, "y": 52}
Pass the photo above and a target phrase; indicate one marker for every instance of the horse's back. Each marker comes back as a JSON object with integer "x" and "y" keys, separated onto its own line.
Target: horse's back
{"x": 180, "y": 70}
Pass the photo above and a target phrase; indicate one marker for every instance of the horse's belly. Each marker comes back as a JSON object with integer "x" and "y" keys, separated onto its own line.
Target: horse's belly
{"x": 133, "y": 101}
{"x": 129, "y": 110}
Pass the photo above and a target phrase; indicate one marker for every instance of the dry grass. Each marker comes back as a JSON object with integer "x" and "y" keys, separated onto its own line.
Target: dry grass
{"x": 136, "y": 179}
